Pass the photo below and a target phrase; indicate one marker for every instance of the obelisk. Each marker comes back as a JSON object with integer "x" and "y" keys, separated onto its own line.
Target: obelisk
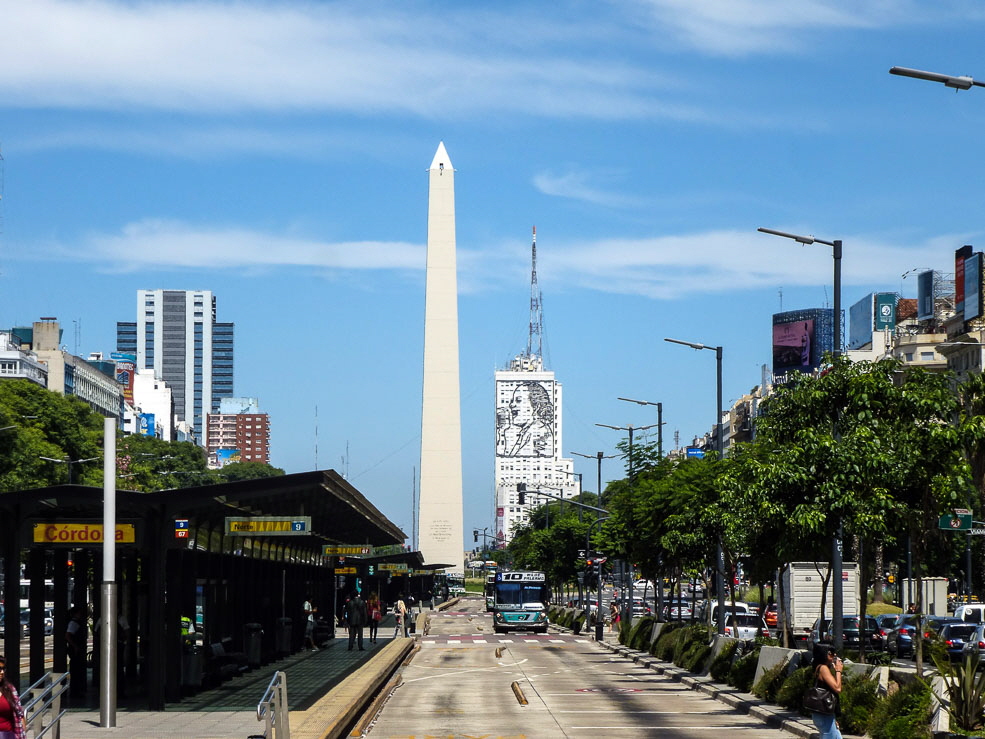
{"x": 440, "y": 520}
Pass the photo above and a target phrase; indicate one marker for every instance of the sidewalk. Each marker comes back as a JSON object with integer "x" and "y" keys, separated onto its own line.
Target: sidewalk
{"x": 772, "y": 715}
{"x": 321, "y": 686}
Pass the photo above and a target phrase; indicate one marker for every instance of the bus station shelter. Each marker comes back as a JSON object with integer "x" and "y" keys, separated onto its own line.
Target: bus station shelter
{"x": 181, "y": 566}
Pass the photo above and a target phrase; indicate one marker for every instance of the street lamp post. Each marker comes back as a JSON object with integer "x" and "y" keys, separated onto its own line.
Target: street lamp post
{"x": 660, "y": 422}
{"x": 837, "y": 592}
{"x": 956, "y": 82}
{"x": 71, "y": 463}
{"x": 720, "y": 448}
{"x": 628, "y": 605}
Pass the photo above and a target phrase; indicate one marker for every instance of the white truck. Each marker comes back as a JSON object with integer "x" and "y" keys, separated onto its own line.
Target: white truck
{"x": 802, "y": 586}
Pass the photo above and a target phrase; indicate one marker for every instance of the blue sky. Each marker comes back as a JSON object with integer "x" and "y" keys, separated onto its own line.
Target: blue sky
{"x": 275, "y": 153}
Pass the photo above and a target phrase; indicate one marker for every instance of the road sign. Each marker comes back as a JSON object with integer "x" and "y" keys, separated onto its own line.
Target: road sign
{"x": 345, "y": 570}
{"x": 977, "y": 532}
{"x": 268, "y": 525}
{"x": 955, "y": 522}
{"x": 346, "y": 550}
{"x": 393, "y": 567}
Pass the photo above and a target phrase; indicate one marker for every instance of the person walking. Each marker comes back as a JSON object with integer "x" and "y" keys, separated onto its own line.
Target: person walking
{"x": 309, "y": 625}
{"x": 375, "y": 613}
{"x": 827, "y": 667}
{"x": 11, "y": 713}
{"x": 400, "y": 611}
{"x": 355, "y": 614}
{"x": 77, "y": 642}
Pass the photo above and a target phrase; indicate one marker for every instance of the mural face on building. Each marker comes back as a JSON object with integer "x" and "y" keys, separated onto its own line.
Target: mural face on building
{"x": 525, "y": 421}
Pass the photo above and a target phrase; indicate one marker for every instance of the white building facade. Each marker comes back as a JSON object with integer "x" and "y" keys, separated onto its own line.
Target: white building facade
{"x": 528, "y": 443}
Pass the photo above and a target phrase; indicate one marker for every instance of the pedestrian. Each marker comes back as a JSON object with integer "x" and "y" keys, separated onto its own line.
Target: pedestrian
{"x": 309, "y": 625}
{"x": 911, "y": 608}
{"x": 613, "y": 616}
{"x": 400, "y": 611}
{"x": 355, "y": 614}
{"x": 375, "y": 613}
{"x": 827, "y": 667}
{"x": 77, "y": 641}
{"x": 11, "y": 713}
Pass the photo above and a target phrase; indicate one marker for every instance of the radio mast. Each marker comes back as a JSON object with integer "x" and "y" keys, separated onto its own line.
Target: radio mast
{"x": 535, "y": 338}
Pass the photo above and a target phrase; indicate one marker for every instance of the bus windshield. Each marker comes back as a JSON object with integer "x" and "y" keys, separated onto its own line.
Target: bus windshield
{"x": 521, "y": 595}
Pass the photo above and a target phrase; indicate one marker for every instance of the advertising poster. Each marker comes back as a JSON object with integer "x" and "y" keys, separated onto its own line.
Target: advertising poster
{"x": 973, "y": 286}
{"x": 147, "y": 424}
{"x": 226, "y": 456}
{"x": 792, "y": 347}
{"x": 960, "y": 255}
{"x": 525, "y": 420}
{"x": 860, "y": 322}
{"x": 885, "y": 311}
{"x": 125, "y": 370}
{"x": 925, "y": 295}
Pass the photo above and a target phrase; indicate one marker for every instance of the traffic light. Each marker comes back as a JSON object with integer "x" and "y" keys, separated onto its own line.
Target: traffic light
{"x": 475, "y": 535}
{"x": 521, "y": 489}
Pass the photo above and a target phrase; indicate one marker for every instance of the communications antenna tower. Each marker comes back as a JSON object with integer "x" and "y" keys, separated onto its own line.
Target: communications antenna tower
{"x": 535, "y": 338}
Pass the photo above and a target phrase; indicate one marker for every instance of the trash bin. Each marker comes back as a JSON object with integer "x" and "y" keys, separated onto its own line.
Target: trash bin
{"x": 282, "y": 636}
{"x": 191, "y": 662}
{"x": 252, "y": 638}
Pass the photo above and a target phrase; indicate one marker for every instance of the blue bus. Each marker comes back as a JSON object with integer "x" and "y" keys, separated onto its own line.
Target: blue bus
{"x": 520, "y": 601}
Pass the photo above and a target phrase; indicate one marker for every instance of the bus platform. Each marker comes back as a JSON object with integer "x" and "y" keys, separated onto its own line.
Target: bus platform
{"x": 325, "y": 690}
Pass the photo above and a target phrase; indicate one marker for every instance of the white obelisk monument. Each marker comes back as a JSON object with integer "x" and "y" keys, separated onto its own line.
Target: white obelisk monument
{"x": 440, "y": 519}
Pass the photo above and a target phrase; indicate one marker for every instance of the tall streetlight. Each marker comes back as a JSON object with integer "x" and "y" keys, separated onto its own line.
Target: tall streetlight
{"x": 660, "y": 421}
{"x": 597, "y": 456}
{"x": 836, "y": 253}
{"x": 720, "y": 448}
{"x": 837, "y": 593}
{"x": 628, "y": 605}
{"x": 71, "y": 464}
{"x": 955, "y": 82}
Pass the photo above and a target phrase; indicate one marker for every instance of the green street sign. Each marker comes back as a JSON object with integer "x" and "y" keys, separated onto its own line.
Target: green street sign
{"x": 955, "y": 522}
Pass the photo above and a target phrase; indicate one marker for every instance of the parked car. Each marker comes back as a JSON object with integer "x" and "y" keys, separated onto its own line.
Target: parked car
{"x": 899, "y": 640}
{"x": 851, "y": 636}
{"x": 677, "y": 609}
{"x": 932, "y": 626}
{"x": 959, "y": 639}
{"x": 771, "y": 615}
{"x": 816, "y": 635}
{"x": 884, "y": 622}
{"x": 746, "y": 626}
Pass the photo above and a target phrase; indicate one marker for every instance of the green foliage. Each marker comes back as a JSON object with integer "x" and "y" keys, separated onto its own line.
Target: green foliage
{"x": 791, "y": 693}
{"x": 690, "y": 635}
{"x": 667, "y": 641}
{"x": 769, "y": 684}
{"x": 903, "y": 715}
{"x": 965, "y": 685}
{"x": 639, "y": 637}
{"x": 696, "y": 656}
{"x": 722, "y": 664}
{"x": 859, "y": 696}
{"x": 743, "y": 671}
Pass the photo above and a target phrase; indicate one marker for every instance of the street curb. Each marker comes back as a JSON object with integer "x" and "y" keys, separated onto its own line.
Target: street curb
{"x": 773, "y": 716}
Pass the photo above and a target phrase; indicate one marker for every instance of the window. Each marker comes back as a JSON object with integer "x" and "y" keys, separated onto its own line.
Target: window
{"x": 927, "y": 356}
{"x": 908, "y": 356}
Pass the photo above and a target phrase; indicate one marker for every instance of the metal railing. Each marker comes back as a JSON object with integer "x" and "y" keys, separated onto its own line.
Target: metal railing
{"x": 43, "y": 700}
{"x": 273, "y": 709}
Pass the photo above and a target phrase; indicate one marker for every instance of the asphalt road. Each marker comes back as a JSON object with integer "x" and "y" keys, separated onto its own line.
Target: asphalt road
{"x": 459, "y": 685}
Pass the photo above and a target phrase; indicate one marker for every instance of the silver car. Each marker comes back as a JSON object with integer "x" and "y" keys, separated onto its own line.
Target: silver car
{"x": 746, "y": 626}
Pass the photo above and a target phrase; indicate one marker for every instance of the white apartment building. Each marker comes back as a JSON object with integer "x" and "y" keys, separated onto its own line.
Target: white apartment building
{"x": 528, "y": 443}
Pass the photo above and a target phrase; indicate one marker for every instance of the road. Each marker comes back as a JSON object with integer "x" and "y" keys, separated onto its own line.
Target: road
{"x": 459, "y": 685}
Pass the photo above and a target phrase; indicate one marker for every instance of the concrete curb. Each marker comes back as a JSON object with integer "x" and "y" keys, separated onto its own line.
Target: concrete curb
{"x": 773, "y": 716}
{"x": 335, "y": 711}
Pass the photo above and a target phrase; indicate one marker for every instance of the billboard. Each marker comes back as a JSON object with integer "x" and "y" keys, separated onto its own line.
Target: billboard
{"x": 126, "y": 368}
{"x": 792, "y": 346}
{"x": 973, "y": 286}
{"x": 925, "y": 295}
{"x": 885, "y": 311}
{"x": 525, "y": 418}
{"x": 226, "y": 456}
{"x": 146, "y": 424}
{"x": 960, "y": 255}
{"x": 860, "y": 322}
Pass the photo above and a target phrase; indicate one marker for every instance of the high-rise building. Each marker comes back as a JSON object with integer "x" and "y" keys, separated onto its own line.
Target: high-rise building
{"x": 176, "y": 335}
{"x": 441, "y": 538}
{"x": 528, "y": 429}
{"x": 238, "y": 432}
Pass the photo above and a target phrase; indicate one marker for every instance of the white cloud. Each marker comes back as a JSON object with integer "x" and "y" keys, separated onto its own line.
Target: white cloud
{"x": 740, "y": 27}
{"x": 231, "y": 57}
{"x": 578, "y": 185}
{"x": 664, "y": 267}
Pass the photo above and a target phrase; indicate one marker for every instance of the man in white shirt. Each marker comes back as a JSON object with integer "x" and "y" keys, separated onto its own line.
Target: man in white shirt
{"x": 309, "y": 626}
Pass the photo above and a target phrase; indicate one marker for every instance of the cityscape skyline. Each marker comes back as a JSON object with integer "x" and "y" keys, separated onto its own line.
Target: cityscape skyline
{"x": 274, "y": 157}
